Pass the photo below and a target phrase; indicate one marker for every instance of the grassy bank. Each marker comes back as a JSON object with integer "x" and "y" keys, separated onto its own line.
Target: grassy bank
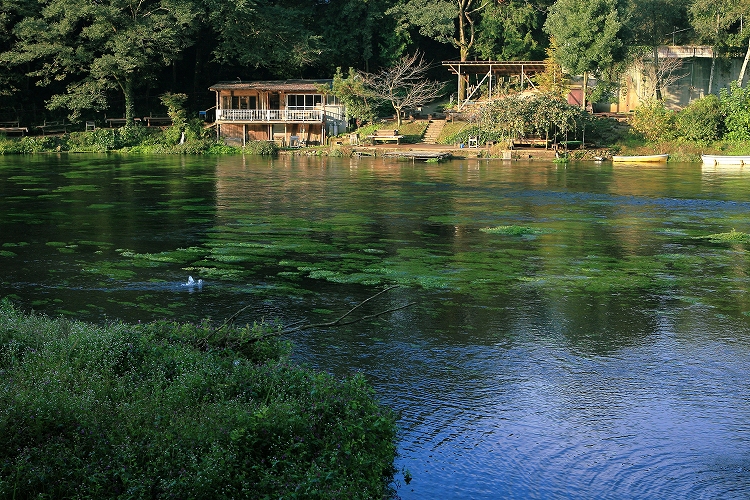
{"x": 173, "y": 410}
{"x": 196, "y": 140}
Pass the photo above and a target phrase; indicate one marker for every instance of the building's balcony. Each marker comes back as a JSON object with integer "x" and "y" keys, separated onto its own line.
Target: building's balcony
{"x": 270, "y": 115}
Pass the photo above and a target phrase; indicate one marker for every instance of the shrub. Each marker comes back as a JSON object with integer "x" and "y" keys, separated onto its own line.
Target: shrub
{"x": 169, "y": 410}
{"x": 702, "y": 120}
{"x": 267, "y": 148}
{"x": 522, "y": 116}
{"x": 653, "y": 121}
{"x": 463, "y": 135}
{"x": 735, "y": 105}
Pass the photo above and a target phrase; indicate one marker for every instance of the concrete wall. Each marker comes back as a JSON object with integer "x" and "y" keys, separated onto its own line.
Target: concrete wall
{"x": 694, "y": 73}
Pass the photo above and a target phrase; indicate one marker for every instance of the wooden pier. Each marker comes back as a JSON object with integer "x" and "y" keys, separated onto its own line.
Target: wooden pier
{"x": 418, "y": 155}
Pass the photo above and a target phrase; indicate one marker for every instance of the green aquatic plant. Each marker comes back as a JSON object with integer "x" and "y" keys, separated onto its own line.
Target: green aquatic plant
{"x": 732, "y": 236}
{"x": 512, "y": 230}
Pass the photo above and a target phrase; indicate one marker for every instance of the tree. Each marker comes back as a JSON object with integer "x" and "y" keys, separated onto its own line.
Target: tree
{"x": 447, "y": 21}
{"x": 403, "y": 85}
{"x": 101, "y": 45}
{"x": 720, "y": 23}
{"x": 588, "y": 36}
{"x": 351, "y": 91}
{"x": 511, "y": 30}
{"x": 352, "y": 47}
{"x": 650, "y": 24}
{"x": 656, "y": 73}
{"x": 278, "y": 35}
{"x": 552, "y": 81}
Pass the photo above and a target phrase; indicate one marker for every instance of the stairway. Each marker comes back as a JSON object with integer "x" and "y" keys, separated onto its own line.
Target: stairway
{"x": 433, "y": 131}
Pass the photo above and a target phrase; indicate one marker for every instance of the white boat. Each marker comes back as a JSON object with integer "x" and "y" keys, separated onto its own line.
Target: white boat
{"x": 719, "y": 160}
{"x": 640, "y": 158}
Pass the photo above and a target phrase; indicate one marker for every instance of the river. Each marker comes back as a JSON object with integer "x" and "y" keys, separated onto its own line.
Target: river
{"x": 558, "y": 331}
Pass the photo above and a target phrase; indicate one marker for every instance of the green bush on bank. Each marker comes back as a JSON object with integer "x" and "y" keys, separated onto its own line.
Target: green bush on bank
{"x": 168, "y": 410}
{"x": 190, "y": 138}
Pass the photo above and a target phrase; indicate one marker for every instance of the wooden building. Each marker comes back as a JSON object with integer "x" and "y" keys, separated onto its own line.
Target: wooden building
{"x": 289, "y": 112}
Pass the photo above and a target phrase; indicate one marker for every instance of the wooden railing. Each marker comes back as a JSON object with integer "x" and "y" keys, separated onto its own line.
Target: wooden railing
{"x": 269, "y": 115}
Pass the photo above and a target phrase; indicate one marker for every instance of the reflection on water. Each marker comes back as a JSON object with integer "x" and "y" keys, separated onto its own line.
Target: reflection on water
{"x": 571, "y": 337}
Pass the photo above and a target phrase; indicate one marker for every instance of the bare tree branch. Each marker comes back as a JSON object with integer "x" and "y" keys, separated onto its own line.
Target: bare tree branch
{"x": 337, "y": 322}
{"x": 404, "y": 84}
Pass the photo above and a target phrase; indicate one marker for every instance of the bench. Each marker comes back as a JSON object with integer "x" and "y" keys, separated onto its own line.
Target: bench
{"x": 119, "y": 122}
{"x": 385, "y": 136}
{"x": 12, "y": 128}
{"x": 157, "y": 121}
{"x": 53, "y": 127}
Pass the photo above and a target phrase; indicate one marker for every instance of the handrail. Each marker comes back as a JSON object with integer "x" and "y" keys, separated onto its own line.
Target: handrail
{"x": 269, "y": 115}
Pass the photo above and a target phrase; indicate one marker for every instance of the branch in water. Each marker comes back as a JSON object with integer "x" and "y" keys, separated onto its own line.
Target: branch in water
{"x": 337, "y": 322}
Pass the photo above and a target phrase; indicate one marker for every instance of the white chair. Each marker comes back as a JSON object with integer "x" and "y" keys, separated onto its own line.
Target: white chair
{"x": 473, "y": 142}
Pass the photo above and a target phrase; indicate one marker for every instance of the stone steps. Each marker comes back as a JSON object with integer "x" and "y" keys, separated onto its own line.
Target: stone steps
{"x": 433, "y": 131}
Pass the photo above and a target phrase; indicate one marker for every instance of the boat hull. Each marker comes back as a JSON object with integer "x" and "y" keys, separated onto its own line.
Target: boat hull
{"x": 719, "y": 160}
{"x": 640, "y": 159}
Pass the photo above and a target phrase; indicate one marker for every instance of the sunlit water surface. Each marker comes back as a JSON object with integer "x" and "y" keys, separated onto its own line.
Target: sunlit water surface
{"x": 575, "y": 332}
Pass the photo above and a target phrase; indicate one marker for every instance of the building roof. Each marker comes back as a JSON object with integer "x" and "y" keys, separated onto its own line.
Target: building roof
{"x": 272, "y": 85}
{"x": 496, "y": 67}
{"x": 685, "y": 51}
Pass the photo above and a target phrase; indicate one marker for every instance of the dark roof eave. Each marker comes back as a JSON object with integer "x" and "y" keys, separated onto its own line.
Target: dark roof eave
{"x": 272, "y": 85}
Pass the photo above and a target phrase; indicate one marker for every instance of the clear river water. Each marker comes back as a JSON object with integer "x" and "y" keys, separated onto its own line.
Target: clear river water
{"x": 572, "y": 331}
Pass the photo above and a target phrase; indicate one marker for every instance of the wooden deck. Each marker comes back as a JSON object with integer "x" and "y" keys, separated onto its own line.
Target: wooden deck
{"x": 418, "y": 155}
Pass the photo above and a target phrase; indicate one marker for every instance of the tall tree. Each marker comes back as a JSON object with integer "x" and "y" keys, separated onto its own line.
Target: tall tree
{"x": 11, "y": 13}
{"x": 276, "y": 35}
{"x": 447, "y": 21}
{"x": 587, "y": 37}
{"x": 356, "y": 47}
{"x": 511, "y": 30}
{"x": 650, "y": 24}
{"x": 99, "y": 45}
{"x": 720, "y": 23}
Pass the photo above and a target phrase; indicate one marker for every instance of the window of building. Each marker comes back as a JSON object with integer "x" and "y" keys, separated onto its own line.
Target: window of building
{"x": 243, "y": 102}
{"x": 303, "y": 101}
{"x": 239, "y": 102}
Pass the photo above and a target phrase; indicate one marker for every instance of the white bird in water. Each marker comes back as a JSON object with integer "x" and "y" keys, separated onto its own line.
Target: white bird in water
{"x": 191, "y": 282}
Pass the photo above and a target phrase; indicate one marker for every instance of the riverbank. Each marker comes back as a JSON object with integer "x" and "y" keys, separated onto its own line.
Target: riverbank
{"x": 139, "y": 140}
{"x": 182, "y": 411}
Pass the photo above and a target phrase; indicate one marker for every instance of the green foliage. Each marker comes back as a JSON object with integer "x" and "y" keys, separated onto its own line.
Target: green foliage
{"x": 175, "y": 104}
{"x": 735, "y": 105}
{"x": 99, "y": 46}
{"x": 587, "y": 35}
{"x": 702, "y": 120}
{"x": 273, "y": 35}
{"x": 264, "y": 148}
{"x": 509, "y": 31}
{"x": 351, "y": 91}
{"x": 654, "y": 121}
{"x": 522, "y": 116}
{"x": 483, "y": 135}
{"x": 169, "y": 410}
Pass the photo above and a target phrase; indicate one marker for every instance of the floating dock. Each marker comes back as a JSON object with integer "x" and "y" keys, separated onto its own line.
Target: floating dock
{"x": 418, "y": 155}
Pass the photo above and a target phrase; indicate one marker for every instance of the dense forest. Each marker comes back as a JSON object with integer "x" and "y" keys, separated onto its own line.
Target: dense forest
{"x": 90, "y": 58}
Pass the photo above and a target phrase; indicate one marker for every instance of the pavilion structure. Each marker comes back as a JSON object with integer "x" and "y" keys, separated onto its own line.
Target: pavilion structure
{"x": 474, "y": 74}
